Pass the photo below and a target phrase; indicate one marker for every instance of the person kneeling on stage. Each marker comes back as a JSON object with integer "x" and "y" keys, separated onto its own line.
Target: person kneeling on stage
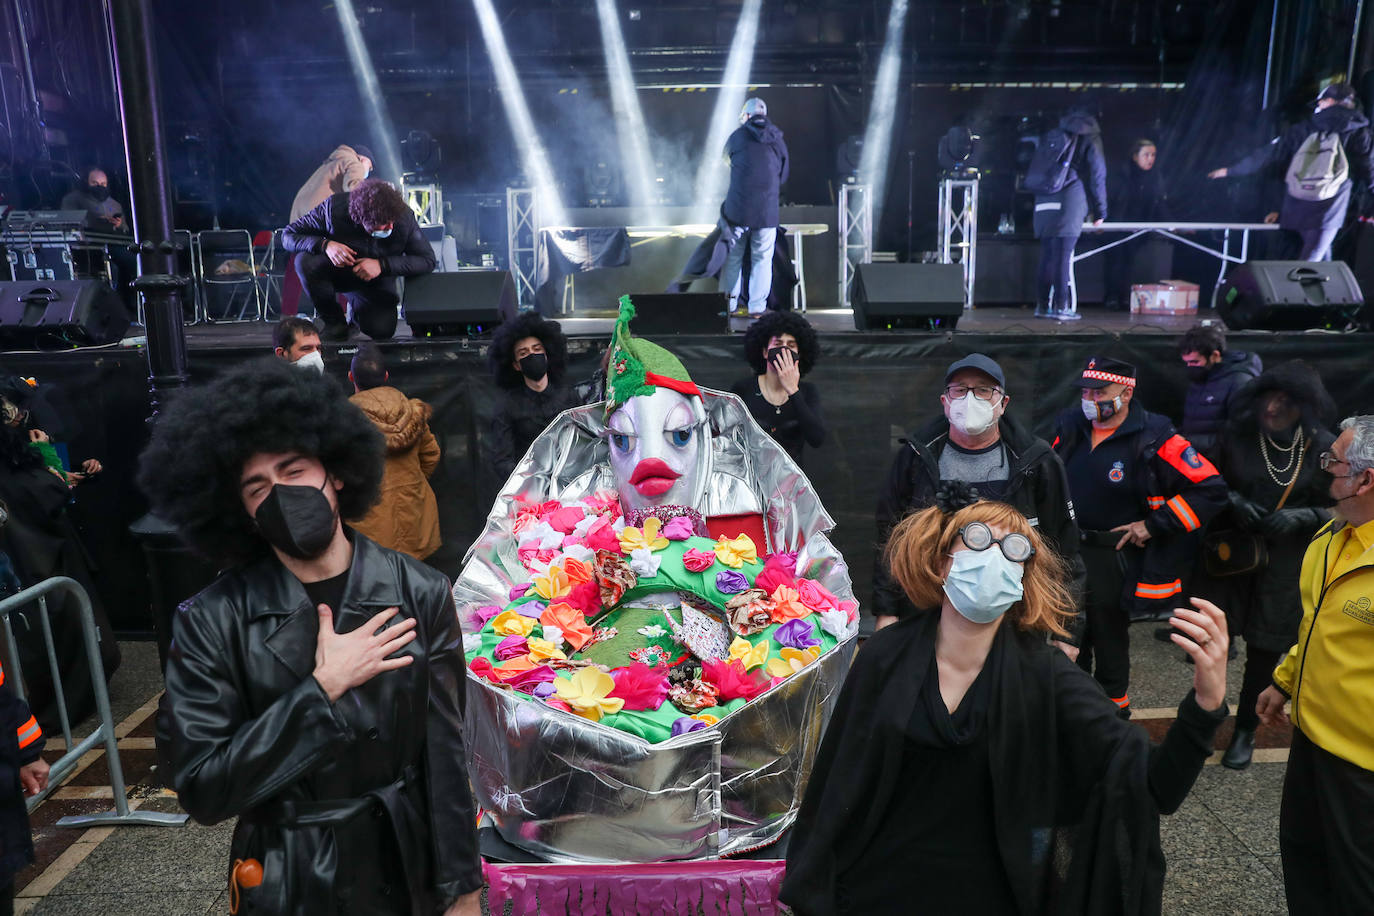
{"x": 315, "y": 690}
{"x": 969, "y": 767}
{"x": 358, "y": 243}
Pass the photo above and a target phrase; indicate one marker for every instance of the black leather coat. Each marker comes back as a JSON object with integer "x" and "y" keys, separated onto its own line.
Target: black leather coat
{"x": 350, "y": 806}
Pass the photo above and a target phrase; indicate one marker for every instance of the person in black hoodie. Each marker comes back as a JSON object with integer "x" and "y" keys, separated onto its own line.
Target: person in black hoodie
{"x": 1215, "y": 378}
{"x": 758, "y": 162}
{"x": 527, "y": 358}
{"x": 1318, "y": 221}
{"x": 1136, "y": 195}
{"x": 1059, "y": 216}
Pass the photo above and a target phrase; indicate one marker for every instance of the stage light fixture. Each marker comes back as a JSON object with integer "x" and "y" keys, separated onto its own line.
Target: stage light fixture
{"x": 712, "y": 175}
{"x": 883, "y": 113}
{"x": 957, "y": 152}
{"x": 370, "y": 89}
{"x": 629, "y": 116}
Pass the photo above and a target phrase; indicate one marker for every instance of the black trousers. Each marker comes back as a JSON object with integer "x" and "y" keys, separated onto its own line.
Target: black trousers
{"x": 373, "y": 301}
{"x": 1324, "y": 835}
{"x": 1106, "y": 649}
{"x": 1259, "y": 674}
{"x": 1056, "y": 272}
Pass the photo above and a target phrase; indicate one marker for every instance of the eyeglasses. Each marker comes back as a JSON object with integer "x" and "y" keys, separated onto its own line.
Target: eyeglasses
{"x": 1328, "y": 458}
{"x": 981, "y": 392}
{"x": 1015, "y": 547}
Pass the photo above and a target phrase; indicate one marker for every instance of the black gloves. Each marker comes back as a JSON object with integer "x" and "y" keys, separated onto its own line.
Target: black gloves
{"x": 1287, "y": 522}
{"x": 1246, "y": 512}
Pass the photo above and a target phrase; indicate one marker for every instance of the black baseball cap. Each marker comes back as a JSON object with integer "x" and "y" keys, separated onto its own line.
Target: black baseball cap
{"x": 1102, "y": 371}
{"x": 983, "y": 364}
{"x": 1340, "y": 91}
{"x": 364, "y": 152}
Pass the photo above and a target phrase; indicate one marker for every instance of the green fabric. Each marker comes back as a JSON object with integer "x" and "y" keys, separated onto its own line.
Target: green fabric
{"x": 632, "y": 358}
{"x": 49, "y": 454}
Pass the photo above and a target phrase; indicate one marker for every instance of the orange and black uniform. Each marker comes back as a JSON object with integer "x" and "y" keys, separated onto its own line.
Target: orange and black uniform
{"x": 1143, "y": 470}
{"x": 21, "y": 741}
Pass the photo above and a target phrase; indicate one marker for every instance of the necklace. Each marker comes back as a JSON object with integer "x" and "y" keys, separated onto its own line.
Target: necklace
{"x": 1295, "y": 452}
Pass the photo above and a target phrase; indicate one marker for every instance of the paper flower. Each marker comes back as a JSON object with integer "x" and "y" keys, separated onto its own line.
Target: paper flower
{"x": 792, "y": 661}
{"x": 735, "y": 552}
{"x": 749, "y": 612}
{"x": 645, "y": 562}
{"x": 785, "y": 559}
{"x": 544, "y": 649}
{"x": 586, "y": 597}
{"x": 748, "y": 654}
{"x": 556, "y": 703}
{"x": 678, "y": 528}
{"x": 569, "y": 621}
{"x": 486, "y": 612}
{"x": 540, "y": 535}
{"x": 471, "y": 642}
{"x": 529, "y": 681}
{"x": 535, "y": 559}
{"x": 587, "y": 692}
{"x": 604, "y": 502}
{"x": 554, "y": 585}
{"x": 816, "y": 596}
{"x": 511, "y": 623}
{"x": 640, "y": 686}
{"x": 552, "y": 634}
{"x": 850, "y": 609}
{"x": 614, "y": 577}
{"x": 732, "y": 681}
{"x": 601, "y": 535}
{"x": 646, "y": 538}
{"x": 706, "y": 718}
{"x": 731, "y": 582}
{"x": 564, "y": 520}
{"x": 797, "y": 634}
{"x": 653, "y": 631}
{"x": 518, "y": 591}
{"x": 786, "y": 605}
{"x": 516, "y": 666}
{"x": 687, "y": 724}
{"x": 482, "y": 667}
{"x": 576, "y": 571}
{"x": 698, "y": 560}
{"x": 693, "y": 695}
{"x": 543, "y": 689}
{"x": 836, "y": 623}
{"x": 579, "y": 552}
{"x": 773, "y": 576}
{"x": 510, "y": 647}
{"x": 653, "y": 656}
{"x": 531, "y": 608}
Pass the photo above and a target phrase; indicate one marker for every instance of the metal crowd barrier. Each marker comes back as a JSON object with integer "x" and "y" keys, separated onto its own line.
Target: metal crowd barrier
{"x": 104, "y": 732}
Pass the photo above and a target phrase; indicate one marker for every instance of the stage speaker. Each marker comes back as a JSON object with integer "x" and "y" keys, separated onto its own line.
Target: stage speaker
{"x": 48, "y": 313}
{"x": 465, "y": 303}
{"x": 680, "y": 313}
{"x": 1291, "y": 296}
{"x": 927, "y": 297}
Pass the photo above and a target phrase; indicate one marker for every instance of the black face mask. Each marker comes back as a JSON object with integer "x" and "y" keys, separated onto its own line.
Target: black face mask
{"x": 1197, "y": 373}
{"x": 758, "y": 120}
{"x": 535, "y": 366}
{"x": 774, "y": 354}
{"x": 99, "y": 192}
{"x": 298, "y": 521}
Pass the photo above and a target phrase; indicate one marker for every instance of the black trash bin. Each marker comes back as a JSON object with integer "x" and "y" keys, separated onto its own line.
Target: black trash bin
{"x": 175, "y": 573}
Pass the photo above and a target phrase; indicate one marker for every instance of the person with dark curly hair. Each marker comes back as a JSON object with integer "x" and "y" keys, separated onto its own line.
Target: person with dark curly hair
{"x": 357, "y": 243}
{"x": 528, "y": 358}
{"x": 781, "y": 347}
{"x": 1270, "y": 456}
{"x": 315, "y": 689}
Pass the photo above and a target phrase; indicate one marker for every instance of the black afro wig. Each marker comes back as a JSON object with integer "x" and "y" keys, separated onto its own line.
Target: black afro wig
{"x": 774, "y": 324}
{"x": 1303, "y": 386}
{"x": 501, "y": 353}
{"x": 190, "y": 470}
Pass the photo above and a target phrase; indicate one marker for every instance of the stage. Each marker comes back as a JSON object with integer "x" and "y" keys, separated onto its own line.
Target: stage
{"x": 875, "y": 386}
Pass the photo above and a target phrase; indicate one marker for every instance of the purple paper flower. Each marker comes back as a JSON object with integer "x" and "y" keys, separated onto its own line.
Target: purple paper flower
{"x": 530, "y": 681}
{"x": 545, "y": 689}
{"x": 530, "y": 609}
{"x": 511, "y": 647}
{"x": 486, "y": 612}
{"x": 731, "y": 583}
{"x": 678, "y": 529}
{"x": 518, "y": 591}
{"x": 687, "y": 724}
{"x": 796, "y": 634}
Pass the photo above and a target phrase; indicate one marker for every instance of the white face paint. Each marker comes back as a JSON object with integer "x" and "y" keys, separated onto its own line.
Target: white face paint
{"x": 660, "y": 450}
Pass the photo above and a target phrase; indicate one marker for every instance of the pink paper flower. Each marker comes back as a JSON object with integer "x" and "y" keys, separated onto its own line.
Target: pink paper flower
{"x": 565, "y": 519}
{"x": 732, "y": 681}
{"x": 518, "y": 591}
{"x": 601, "y": 536}
{"x": 816, "y": 596}
{"x": 787, "y": 559}
{"x": 586, "y": 597}
{"x": 850, "y": 609}
{"x": 511, "y": 647}
{"x": 528, "y": 680}
{"x": 772, "y": 576}
{"x": 486, "y": 612}
{"x": 678, "y": 529}
{"x": 605, "y": 502}
{"x": 698, "y": 560}
{"x": 482, "y": 667}
{"x": 640, "y": 686}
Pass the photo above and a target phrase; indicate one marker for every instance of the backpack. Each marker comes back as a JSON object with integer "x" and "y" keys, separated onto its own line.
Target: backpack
{"x": 1319, "y": 167}
{"x": 1048, "y": 171}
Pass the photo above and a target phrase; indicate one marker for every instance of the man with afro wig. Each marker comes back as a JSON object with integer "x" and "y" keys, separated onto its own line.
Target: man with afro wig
{"x": 528, "y": 359}
{"x": 315, "y": 689}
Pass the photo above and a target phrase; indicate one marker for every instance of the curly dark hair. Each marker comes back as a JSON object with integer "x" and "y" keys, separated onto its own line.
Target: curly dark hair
{"x": 190, "y": 470}
{"x": 1205, "y": 339}
{"x": 501, "y": 353}
{"x": 1300, "y": 382}
{"x": 777, "y": 323}
{"x": 374, "y": 202}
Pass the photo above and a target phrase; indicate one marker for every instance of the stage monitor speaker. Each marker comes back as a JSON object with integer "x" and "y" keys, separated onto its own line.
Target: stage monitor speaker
{"x": 680, "y": 313}
{"x": 465, "y": 303}
{"x": 927, "y": 297}
{"x": 1291, "y": 296}
{"x": 57, "y": 313}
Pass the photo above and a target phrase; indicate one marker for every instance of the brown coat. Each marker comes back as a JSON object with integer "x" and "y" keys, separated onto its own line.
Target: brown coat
{"x": 406, "y": 518}
{"x": 340, "y": 172}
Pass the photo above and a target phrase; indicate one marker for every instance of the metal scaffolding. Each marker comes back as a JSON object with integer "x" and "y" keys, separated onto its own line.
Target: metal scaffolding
{"x": 855, "y": 230}
{"x": 958, "y": 221}
{"x": 426, "y": 200}
{"x": 522, "y": 242}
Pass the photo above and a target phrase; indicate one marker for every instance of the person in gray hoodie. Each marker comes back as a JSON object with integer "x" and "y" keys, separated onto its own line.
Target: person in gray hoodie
{"x": 1060, "y": 215}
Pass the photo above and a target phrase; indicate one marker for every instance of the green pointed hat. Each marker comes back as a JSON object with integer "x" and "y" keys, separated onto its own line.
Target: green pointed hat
{"x": 639, "y": 366}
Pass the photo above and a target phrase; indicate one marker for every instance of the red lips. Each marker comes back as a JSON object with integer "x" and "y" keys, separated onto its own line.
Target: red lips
{"x": 653, "y": 477}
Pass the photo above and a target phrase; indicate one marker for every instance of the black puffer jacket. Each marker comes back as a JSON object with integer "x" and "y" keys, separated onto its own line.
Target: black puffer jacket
{"x": 1208, "y": 404}
{"x": 324, "y": 792}
{"x": 404, "y": 253}
{"x": 1063, "y": 213}
{"x": 758, "y": 166}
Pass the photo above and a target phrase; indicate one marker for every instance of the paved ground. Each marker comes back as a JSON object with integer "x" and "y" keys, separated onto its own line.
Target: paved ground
{"x": 1222, "y": 846}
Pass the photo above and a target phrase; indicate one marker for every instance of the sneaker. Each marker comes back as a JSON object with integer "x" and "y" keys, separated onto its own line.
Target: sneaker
{"x": 1068, "y": 316}
{"x": 1043, "y": 312}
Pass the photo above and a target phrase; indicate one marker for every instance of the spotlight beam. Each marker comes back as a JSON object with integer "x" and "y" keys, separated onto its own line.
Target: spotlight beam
{"x": 711, "y": 176}
{"x": 629, "y": 121}
{"x": 383, "y": 132}
{"x": 533, "y": 153}
{"x": 882, "y": 114}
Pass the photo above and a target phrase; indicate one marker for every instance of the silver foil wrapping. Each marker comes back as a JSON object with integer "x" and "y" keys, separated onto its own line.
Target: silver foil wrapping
{"x": 571, "y": 790}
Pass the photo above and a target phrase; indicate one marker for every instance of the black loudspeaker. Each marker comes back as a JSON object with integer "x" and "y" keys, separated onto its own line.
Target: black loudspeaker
{"x": 57, "y": 313}
{"x": 1291, "y": 296}
{"x": 680, "y": 313}
{"x": 465, "y": 303}
{"x": 927, "y": 297}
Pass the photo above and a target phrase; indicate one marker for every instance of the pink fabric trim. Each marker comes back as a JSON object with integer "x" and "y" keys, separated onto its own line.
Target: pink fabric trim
{"x": 724, "y": 886}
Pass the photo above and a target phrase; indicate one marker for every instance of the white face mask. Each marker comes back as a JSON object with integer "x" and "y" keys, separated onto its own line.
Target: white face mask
{"x": 972, "y": 415}
{"x": 313, "y": 360}
{"x": 1101, "y": 410}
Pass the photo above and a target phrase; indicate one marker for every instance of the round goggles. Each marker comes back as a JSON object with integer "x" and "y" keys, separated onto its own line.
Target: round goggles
{"x": 1015, "y": 547}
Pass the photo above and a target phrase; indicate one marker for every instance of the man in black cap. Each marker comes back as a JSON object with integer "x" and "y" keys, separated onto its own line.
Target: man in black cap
{"x": 1143, "y": 494}
{"x": 976, "y": 443}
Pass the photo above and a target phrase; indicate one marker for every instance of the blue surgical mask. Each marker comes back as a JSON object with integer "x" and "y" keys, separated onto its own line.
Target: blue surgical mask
{"x": 380, "y": 233}
{"x": 982, "y": 584}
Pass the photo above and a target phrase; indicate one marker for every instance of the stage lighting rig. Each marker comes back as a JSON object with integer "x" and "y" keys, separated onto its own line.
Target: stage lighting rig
{"x": 957, "y": 153}
{"x": 422, "y": 155}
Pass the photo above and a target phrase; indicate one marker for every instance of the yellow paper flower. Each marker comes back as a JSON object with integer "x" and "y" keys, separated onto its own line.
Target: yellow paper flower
{"x": 647, "y": 538}
{"x": 792, "y": 661}
{"x": 735, "y": 552}
{"x": 587, "y": 693}
{"x": 705, "y": 717}
{"x": 543, "y": 649}
{"x": 512, "y": 623}
{"x": 554, "y": 585}
{"x": 751, "y": 655}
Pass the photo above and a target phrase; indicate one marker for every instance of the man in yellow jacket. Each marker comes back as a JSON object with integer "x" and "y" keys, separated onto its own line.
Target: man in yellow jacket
{"x": 1328, "y": 790}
